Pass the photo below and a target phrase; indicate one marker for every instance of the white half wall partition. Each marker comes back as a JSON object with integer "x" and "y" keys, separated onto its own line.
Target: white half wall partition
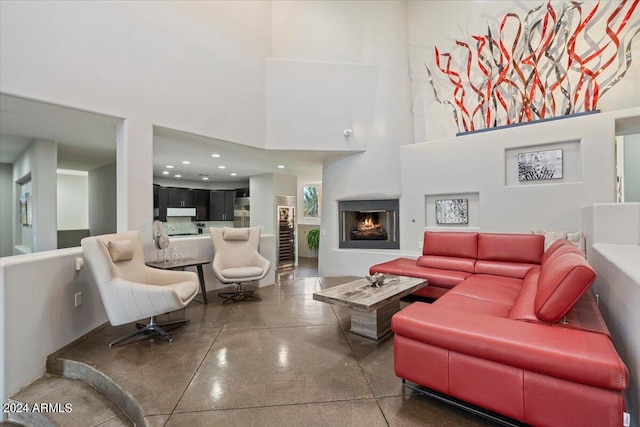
{"x": 37, "y": 312}
{"x": 487, "y": 164}
{"x": 613, "y": 249}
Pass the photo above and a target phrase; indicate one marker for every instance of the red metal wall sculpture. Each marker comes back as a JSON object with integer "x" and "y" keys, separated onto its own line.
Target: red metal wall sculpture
{"x": 553, "y": 62}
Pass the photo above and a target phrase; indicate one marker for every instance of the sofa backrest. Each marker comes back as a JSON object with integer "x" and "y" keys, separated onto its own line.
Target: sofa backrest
{"x": 510, "y": 255}
{"x": 450, "y": 244}
{"x": 525, "y": 248}
{"x": 564, "y": 276}
{"x": 449, "y": 251}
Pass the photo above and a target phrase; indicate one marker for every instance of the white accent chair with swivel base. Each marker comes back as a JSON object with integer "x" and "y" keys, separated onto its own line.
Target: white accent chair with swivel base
{"x": 130, "y": 290}
{"x": 236, "y": 260}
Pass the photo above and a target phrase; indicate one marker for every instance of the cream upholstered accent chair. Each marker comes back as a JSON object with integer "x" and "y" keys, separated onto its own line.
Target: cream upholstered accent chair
{"x": 130, "y": 290}
{"x": 236, "y": 260}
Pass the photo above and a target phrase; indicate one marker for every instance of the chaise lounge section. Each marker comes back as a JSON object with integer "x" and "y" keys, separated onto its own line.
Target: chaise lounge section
{"x": 513, "y": 331}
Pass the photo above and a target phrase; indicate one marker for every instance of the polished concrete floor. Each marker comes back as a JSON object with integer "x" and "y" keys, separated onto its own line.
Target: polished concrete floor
{"x": 284, "y": 361}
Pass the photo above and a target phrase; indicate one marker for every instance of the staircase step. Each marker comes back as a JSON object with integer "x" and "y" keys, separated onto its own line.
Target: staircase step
{"x": 54, "y": 400}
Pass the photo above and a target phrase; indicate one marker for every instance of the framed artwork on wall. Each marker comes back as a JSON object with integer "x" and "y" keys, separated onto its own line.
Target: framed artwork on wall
{"x": 452, "y": 211}
{"x": 312, "y": 200}
{"x": 540, "y": 165}
{"x": 25, "y": 209}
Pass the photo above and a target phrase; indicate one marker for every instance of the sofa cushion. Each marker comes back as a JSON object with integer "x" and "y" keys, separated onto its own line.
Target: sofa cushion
{"x": 447, "y": 263}
{"x": 431, "y": 292}
{"x": 398, "y": 266}
{"x": 564, "y": 277}
{"x": 450, "y": 243}
{"x": 499, "y": 268}
{"x": 408, "y": 267}
{"x": 443, "y": 278}
{"x": 499, "y": 289}
{"x": 470, "y": 304}
{"x": 526, "y": 248}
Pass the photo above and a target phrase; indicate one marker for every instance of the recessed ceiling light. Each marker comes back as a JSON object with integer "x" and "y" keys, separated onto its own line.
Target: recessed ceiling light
{"x": 222, "y": 167}
{"x": 280, "y": 166}
{"x": 186, "y": 162}
{"x": 169, "y": 167}
{"x": 205, "y": 178}
{"x": 165, "y": 172}
{"x": 178, "y": 176}
{"x": 215, "y": 155}
{"x": 233, "y": 174}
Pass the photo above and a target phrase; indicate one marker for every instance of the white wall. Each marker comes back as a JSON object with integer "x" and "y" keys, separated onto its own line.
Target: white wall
{"x": 315, "y": 102}
{"x": 38, "y": 162}
{"x": 262, "y": 209}
{"x": 303, "y": 248}
{"x": 102, "y": 200}
{"x": 72, "y": 202}
{"x": 7, "y": 206}
{"x": 192, "y": 66}
{"x": 382, "y": 41}
{"x": 632, "y": 168}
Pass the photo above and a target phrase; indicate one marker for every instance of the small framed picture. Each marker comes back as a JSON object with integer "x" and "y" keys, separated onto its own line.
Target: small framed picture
{"x": 540, "y": 165}
{"x": 452, "y": 211}
{"x": 25, "y": 209}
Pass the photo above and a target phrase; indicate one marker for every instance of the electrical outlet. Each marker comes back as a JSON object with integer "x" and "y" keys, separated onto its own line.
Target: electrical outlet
{"x": 78, "y": 299}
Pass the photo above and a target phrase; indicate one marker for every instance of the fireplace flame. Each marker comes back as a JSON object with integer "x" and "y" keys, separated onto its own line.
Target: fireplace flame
{"x": 367, "y": 224}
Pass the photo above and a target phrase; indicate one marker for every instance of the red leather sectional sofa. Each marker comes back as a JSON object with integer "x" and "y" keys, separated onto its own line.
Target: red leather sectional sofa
{"x": 513, "y": 330}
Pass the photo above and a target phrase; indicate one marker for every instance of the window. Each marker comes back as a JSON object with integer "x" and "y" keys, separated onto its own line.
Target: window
{"x": 312, "y": 200}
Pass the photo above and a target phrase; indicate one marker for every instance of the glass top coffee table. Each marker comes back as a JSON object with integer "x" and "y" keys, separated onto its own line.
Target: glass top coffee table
{"x": 371, "y": 307}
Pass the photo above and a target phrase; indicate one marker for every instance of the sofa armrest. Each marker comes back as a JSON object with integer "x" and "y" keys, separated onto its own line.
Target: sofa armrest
{"x": 579, "y": 356}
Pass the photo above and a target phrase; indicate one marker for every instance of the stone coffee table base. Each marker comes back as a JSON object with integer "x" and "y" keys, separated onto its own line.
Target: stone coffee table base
{"x": 371, "y": 307}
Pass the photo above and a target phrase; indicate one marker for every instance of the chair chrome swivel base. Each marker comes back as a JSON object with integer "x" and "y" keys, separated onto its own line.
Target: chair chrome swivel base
{"x": 239, "y": 294}
{"x": 151, "y": 328}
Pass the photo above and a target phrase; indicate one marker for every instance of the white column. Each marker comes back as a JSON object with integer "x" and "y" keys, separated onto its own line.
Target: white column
{"x": 134, "y": 177}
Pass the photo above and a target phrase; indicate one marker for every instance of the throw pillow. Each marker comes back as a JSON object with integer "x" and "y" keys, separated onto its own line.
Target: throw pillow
{"x": 120, "y": 250}
{"x": 549, "y": 236}
{"x": 579, "y": 240}
{"x": 235, "y": 233}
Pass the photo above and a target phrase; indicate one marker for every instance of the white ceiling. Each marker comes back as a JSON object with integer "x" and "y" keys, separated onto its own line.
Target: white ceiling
{"x": 172, "y": 148}
{"x": 88, "y": 140}
{"x": 85, "y": 140}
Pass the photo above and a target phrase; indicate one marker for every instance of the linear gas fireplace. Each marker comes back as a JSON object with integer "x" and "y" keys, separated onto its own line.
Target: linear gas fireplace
{"x": 369, "y": 224}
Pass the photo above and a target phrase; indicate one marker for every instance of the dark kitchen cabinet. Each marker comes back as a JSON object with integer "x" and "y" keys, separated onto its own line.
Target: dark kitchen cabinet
{"x": 242, "y": 192}
{"x": 181, "y": 198}
{"x": 221, "y": 205}
{"x": 160, "y": 203}
{"x": 202, "y": 205}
